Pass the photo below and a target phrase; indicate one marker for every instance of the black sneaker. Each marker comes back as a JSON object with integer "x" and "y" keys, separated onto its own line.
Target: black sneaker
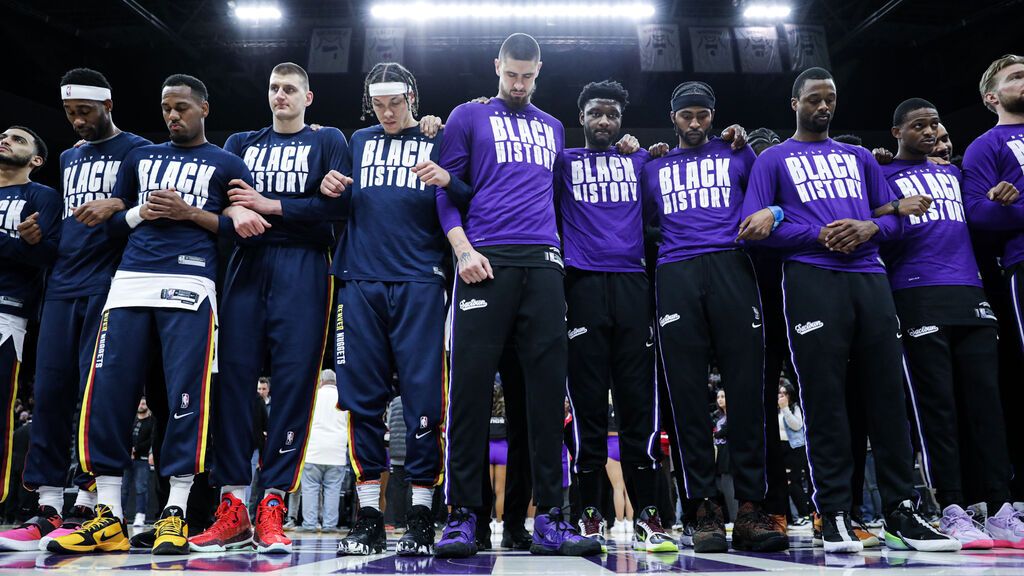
{"x": 144, "y": 539}
{"x": 516, "y": 538}
{"x": 837, "y": 534}
{"x": 755, "y": 531}
{"x": 686, "y": 538}
{"x": 367, "y": 536}
{"x": 483, "y": 532}
{"x": 709, "y": 528}
{"x": 418, "y": 539}
{"x": 905, "y": 529}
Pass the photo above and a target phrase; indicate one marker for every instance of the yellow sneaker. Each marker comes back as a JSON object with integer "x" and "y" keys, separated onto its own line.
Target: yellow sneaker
{"x": 171, "y": 532}
{"x": 104, "y": 533}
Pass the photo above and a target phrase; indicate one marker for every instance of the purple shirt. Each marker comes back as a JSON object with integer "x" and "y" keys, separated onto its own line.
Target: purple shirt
{"x": 601, "y": 208}
{"x": 816, "y": 183}
{"x": 935, "y": 249}
{"x": 996, "y": 156}
{"x": 507, "y": 156}
{"x": 697, "y": 194}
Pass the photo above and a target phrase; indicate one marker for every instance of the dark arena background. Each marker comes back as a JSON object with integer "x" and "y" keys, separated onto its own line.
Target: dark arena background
{"x": 879, "y": 52}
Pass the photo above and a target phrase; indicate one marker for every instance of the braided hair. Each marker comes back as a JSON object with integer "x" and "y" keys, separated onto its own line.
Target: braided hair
{"x": 390, "y": 72}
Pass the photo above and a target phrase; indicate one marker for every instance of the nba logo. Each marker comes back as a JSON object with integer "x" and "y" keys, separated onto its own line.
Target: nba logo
{"x": 423, "y": 421}
{"x": 184, "y": 401}
{"x": 289, "y": 438}
{"x": 67, "y": 91}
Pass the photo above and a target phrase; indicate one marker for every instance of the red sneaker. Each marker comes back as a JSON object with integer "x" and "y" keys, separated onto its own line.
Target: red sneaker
{"x": 269, "y": 526}
{"x": 230, "y": 531}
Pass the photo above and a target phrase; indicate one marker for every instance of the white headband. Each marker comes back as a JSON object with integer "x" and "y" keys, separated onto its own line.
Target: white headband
{"x": 388, "y": 88}
{"x": 80, "y": 92}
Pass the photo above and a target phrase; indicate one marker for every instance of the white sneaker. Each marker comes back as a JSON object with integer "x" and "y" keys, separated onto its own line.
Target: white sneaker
{"x": 140, "y": 520}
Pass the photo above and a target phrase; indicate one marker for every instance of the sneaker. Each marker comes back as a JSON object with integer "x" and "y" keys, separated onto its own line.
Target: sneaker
{"x": 516, "y": 538}
{"x": 103, "y": 533}
{"x": 553, "y": 535}
{"x": 906, "y": 529}
{"x": 837, "y": 535}
{"x": 459, "y": 537}
{"x": 867, "y": 538}
{"x": 73, "y": 521}
{"x": 367, "y": 536}
{"x": 418, "y": 539}
{"x": 483, "y": 532}
{"x": 755, "y": 531}
{"x": 230, "y": 531}
{"x": 686, "y": 534}
{"x": 800, "y": 521}
{"x": 960, "y": 524}
{"x": 269, "y": 534}
{"x": 780, "y": 524}
{"x": 26, "y": 537}
{"x": 709, "y": 528}
{"x": 649, "y": 536}
{"x": 1006, "y": 527}
{"x": 143, "y": 540}
{"x": 816, "y": 538}
{"x": 592, "y": 525}
{"x": 140, "y": 520}
{"x": 171, "y": 533}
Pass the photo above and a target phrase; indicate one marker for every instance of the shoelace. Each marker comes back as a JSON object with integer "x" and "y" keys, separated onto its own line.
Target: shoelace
{"x": 706, "y": 520}
{"x": 363, "y": 526}
{"x": 561, "y": 526}
{"x": 221, "y": 523}
{"x": 1016, "y": 522}
{"x": 420, "y": 525}
{"x": 271, "y": 518}
{"x": 94, "y": 522}
{"x": 591, "y": 525}
{"x": 454, "y": 521}
{"x": 654, "y": 523}
{"x": 171, "y": 525}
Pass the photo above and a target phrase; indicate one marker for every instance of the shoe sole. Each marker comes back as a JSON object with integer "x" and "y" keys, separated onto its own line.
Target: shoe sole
{"x": 417, "y": 550}
{"x": 644, "y": 547}
{"x": 897, "y": 542}
{"x": 361, "y": 549}
{"x": 168, "y": 549}
{"x": 978, "y": 545}
{"x": 275, "y": 548}
{"x": 563, "y": 550}
{"x": 775, "y": 543}
{"x": 454, "y": 551}
{"x": 11, "y": 545}
{"x": 710, "y": 546}
{"x": 247, "y": 543}
{"x": 1008, "y": 544}
{"x": 56, "y": 547}
{"x": 872, "y": 542}
{"x": 844, "y": 547}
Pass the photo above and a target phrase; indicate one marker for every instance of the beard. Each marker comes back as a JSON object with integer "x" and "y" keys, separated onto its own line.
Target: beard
{"x": 1013, "y": 105}
{"x": 516, "y": 101}
{"x": 602, "y": 140}
{"x": 10, "y": 159}
{"x": 692, "y": 137}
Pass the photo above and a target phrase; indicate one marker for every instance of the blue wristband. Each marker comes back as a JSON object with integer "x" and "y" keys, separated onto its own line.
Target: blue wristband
{"x": 778, "y": 214}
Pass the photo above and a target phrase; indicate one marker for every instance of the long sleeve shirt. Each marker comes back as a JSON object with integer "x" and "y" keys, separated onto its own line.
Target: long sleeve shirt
{"x": 996, "y": 156}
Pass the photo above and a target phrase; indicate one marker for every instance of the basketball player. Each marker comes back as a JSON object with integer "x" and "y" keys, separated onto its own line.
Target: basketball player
{"x": 162, "y": 300}
{"x": 840, "y": 313}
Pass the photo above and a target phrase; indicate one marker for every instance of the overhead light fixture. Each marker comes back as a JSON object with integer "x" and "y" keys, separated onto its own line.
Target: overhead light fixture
{"x": 766, "y": 11}
{"x": 423, "y": 11}
{"x": 257, "y": 12}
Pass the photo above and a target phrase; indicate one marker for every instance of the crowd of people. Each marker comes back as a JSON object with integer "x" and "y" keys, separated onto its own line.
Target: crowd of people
{"x": 485, "y": 247}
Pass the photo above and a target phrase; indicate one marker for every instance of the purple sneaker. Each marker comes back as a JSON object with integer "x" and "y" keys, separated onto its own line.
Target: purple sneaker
{"x": 553, "y": 535}
{"x": 459, "y": 537}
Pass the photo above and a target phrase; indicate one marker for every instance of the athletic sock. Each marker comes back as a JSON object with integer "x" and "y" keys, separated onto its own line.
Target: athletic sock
{"x": 52, "y": 496}
{"x": 422, "y": 495}
{"x": 369, "y": 494}
{"x": 236, "y": 491}
{"x": 86, "y": 498}
{"x": 180, "y": 488}
{"x": 108, "y": 492}
{"x": 279, "y": 493}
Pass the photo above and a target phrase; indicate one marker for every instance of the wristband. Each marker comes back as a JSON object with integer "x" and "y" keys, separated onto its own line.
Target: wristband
{"x": 778, "y": 214}
{"x": 895, "y": 207}
{"x": 133, "y": 217}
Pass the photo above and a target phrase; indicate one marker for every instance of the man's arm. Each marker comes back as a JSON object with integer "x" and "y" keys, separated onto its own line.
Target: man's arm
{"x": 760, "y": 194}
{"x": 981, "y": 189}
{"x": 473, "y": 266}
{"x": 43, "y": 253}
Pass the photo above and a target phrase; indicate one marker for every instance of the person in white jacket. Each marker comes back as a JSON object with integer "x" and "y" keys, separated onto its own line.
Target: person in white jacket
{"x": 326, "y": 458}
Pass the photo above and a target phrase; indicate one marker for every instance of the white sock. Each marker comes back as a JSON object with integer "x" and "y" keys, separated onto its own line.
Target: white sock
{"x": 369, "y": 494}
{"x": 51, "y": 496}
{"x": 279, "y": 493}
{"x": 108, "y": 492}
{"x": 422, "y": 495}
{"x": 86, "y": 498}
{"x": 236, "y": 491}
{"x": 180, "y": 488}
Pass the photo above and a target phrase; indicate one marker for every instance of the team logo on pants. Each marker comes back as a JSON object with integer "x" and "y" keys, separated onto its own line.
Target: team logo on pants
{"x": 184, "y": 400}
{"x": 339, "y": 337}
{"x": 101, "y": 344}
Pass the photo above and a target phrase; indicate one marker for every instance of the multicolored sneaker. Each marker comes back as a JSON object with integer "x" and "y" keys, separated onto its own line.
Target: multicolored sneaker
{"x": 459, "y": 537}
{"x": 593, "y": 525}
{"x": 73, "y": 521}
{"x": 231, "y": 528}
{"x": 1006, "y": 527}
{"x": 649, "y": 536}
{"x": 837, "y": 534}
{"x": 553, "y": 535}
{"x": 817, "y": 540}
{"x": 906, "y": 529}
{"x": 866, "y": 537}
{"x": 418, "y": 539}
{"x": 269, "y": 536}
{"x": 367, "y": 536}
{"x": 755, "y": 531}
{"x": 171, "y": 533}
{"x": 103, "y": 533}
{"x": 26, "y": 537}
{"x": 960, "y": 524}
{"x": 709, "y": 528}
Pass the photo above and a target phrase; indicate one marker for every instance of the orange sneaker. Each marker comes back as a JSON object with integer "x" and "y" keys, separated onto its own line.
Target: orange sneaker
{"x": 779, "y": 522}
{"x": 269, "y": 526}
{"x": 230, "y": 531}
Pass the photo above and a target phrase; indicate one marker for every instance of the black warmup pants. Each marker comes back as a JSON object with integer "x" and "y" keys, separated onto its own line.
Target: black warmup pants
{"x": 843, "y": 332}
{"x": 710, "y": 305}
{"x": 611, "y": 347}
{"x": 527, "y": 304}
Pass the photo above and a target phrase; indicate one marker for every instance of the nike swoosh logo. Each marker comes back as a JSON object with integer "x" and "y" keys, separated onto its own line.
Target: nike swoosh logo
{"x": 648, "y": 344}
{"x": 283, "y": 451}
{"x": 752, "y": 325}
{"x": 180, "y": 416}
{"x": 418, "y": 435}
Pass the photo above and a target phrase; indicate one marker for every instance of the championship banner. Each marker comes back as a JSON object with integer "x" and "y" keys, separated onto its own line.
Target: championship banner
{"x": 712, "y": 49}
{"x": 659, "y": 48}
{"x": 759, "y": 49}
{"x": 383, "y": 45}
{"x": 808, "y": 46}
{"x": 329, "y": 51}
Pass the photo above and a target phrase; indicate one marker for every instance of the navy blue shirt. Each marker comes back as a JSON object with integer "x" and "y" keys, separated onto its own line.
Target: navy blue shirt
{"x": 200, "y": 175}
{"x": 289, "y": 168}
{"x": 88, "y": 255}
{"x": 393, "y": 232}
{"x": 22, "y": 265}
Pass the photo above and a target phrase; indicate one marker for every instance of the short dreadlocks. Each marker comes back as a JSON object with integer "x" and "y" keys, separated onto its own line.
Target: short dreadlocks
{"x": 390, "y": 72}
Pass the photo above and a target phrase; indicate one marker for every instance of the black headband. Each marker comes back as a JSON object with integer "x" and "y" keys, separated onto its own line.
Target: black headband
{"x": 686, "y": 100}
